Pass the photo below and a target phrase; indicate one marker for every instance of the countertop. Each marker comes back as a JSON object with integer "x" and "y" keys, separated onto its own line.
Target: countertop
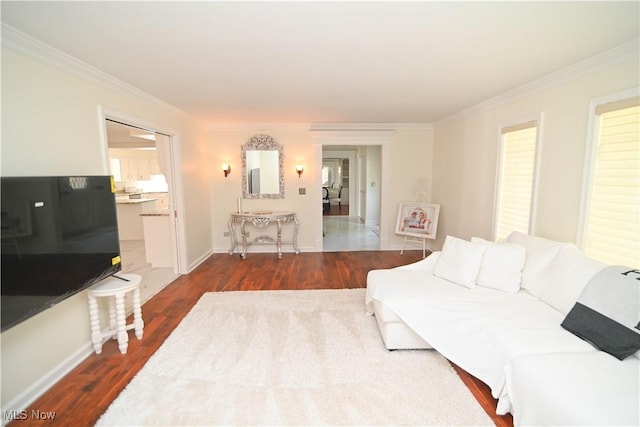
{"x": 134, "y": 201}
{"x": 164, "y": 212}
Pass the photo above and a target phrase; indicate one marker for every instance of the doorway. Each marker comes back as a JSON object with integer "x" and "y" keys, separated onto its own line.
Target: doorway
{"x": 345, "y": 223}
{"x": 140, "y": 162}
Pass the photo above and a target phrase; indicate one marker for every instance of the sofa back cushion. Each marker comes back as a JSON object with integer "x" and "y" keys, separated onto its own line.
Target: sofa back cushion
{"x": 502, "y": 265}
{"x": 459, "y": 261}
{"x": 562, "y": 281}
{"x": 539, "y": 254}
{"x": 607, "y": 313}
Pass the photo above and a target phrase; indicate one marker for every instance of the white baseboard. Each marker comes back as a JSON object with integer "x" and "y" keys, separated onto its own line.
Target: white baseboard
{"x": 267, "y": 249}
{"x": 199, "y": 261}
{"x": 27, "y": 397}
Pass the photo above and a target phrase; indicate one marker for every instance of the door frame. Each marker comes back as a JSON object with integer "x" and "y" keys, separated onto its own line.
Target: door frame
{"x": 383, "y": 138}
{"x": 351, "y": 156}
{"x": 361, "y": 186}
{"x": 174, "y": 180}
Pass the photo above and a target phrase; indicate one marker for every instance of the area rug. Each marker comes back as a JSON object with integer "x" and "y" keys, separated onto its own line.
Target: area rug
{"x": 290, "y": 358}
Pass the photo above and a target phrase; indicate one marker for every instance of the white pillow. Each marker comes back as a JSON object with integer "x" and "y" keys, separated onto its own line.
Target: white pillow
{"x": 566, "y": 276}
{"x": 459, "y": 261}
{"x": 540, "y": 252}
{"x": 501, "y": 266}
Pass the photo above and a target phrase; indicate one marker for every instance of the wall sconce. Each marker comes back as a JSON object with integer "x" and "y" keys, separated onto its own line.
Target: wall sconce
{"x": 299, "y": 169}
{"x": 226, "y": 169}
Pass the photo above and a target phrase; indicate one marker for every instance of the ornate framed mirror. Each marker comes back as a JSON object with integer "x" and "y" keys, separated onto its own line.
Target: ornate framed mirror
{"x": 262, "y": 168}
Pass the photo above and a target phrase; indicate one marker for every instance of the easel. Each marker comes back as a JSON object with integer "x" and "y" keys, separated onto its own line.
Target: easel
{"x": 418, "y": 199}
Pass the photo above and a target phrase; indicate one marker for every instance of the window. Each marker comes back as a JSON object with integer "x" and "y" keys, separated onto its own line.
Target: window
{"x": 611, "y": 224}
{"x": 517, "y": 171}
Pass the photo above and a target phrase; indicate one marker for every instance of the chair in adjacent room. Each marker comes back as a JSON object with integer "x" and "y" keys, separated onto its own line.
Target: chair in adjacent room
{"x": 325, "y": 203}
{"x": 333, "y": 196}
{"x": 325, "y": 199}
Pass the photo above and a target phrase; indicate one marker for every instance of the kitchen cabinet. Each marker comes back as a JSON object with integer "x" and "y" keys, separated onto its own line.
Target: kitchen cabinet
{"x": 157, "y": 239}
{"x": 154, "y": 167}
{"x": 137, "y": 168}
{"x": 127, "y": 172}
{"x": 143, "y": 171}
{"x": 162, "y": 200}
{"x": 129, "y": 220}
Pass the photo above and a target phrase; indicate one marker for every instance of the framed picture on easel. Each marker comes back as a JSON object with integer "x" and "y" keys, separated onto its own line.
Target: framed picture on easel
{"x": 418, "y": 220}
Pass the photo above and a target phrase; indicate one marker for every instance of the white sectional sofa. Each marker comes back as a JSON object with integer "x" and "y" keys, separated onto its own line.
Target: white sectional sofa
{"x": 498, "y": 310}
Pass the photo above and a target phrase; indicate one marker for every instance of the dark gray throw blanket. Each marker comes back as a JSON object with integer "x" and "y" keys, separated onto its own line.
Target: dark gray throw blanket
{"x": 607, "y": 314}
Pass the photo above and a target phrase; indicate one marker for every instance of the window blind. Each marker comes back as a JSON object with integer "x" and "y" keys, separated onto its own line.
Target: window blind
{"x": 613, "y": 216}
{"x": 516, "y": 179}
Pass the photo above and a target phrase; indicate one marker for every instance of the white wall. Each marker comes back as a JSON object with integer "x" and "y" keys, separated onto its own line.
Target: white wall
{"x": 224, "y": 146}
{"x": 51, "y": 126}
{"x": 373, "y": 184}
{"x": 409, "y": 171}
{"x": 465, "y": 151}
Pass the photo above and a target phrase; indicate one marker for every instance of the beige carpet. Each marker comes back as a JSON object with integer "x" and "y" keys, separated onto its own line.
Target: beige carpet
{"x": 290, "y": 358}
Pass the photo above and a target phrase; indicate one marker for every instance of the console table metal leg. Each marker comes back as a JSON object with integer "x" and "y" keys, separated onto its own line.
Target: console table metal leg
{"x": 295, "y": 235}
{"x": 232, "y": 237}
{"x": 244, "y": 240}
{"x": 279, "y": 238}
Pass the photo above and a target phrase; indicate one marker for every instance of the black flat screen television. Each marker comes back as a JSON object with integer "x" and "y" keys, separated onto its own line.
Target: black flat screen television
{"x": 59, "y": 236}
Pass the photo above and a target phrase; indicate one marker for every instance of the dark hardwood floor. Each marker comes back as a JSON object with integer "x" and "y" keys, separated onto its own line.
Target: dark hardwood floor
{"x": 336, "y": 210}
{"x": 85, "y": 393}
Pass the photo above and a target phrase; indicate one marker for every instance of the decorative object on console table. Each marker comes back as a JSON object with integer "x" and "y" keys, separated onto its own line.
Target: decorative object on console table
{"x": 261, "y": 220}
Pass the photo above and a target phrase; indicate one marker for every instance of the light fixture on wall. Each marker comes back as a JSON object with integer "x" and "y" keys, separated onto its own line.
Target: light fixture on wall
{"x": 226, "y": 169}
{"x": 299, "y": 169}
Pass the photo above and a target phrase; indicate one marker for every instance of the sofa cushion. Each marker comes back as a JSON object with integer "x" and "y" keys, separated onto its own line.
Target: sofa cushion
{"x": 566, "y": 276}
{"x": 459, "y": 261}
{"x": 396, "y": 277}
{"x": 607, "y": 314}
{"x": 478, "y": 329}
{"x": 540, "y": 253}
{"x": 501, "y": 266}
{"x": 573, "y": 389}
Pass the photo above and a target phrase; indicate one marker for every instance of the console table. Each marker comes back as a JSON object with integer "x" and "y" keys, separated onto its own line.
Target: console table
{"x": 261, "y": 220}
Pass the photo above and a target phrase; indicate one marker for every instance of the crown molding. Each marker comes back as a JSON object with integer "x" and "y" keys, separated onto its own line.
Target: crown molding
{"x": 320, "y": 127}
{"x": 258, "y": 127}
{"x": 352, "y": 137}
{"x": 369, "y": 126}
{"x": 20, "y": 42}
{"x": 604, "y": 60}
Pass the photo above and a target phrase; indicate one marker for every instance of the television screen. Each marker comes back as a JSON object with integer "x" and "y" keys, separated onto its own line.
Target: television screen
{"x": 59, "y": 236}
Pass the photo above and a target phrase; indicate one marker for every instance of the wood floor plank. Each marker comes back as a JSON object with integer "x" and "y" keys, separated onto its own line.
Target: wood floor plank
{"x": 85, "y": 393}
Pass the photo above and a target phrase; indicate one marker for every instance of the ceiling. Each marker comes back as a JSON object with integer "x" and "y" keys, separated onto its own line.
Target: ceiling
{"x": 328, "y": 61}
{"x": 120, "y": 135}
